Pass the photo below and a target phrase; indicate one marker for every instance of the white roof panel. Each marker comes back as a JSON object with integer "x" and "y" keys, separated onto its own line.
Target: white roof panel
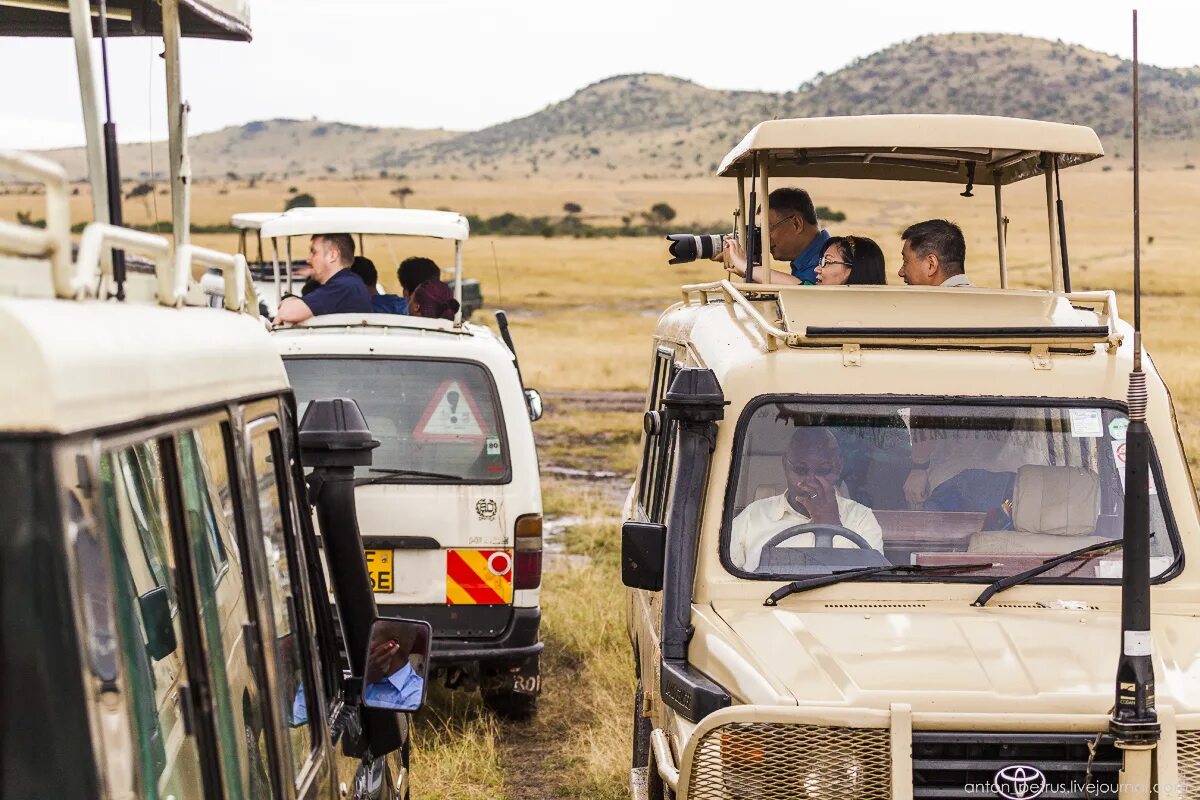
{"x": 918, "y": 147}
{"x": 387, "y": 221}
{"x": 93, "y": 364}
{"x": 252, "y": 220}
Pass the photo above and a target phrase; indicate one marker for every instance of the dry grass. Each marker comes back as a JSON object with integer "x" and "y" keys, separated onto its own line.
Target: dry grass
{"x": 582, "y": 312}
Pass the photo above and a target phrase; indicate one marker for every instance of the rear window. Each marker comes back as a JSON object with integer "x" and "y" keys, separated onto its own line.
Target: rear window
{"x": 929, "y": 484}
{"x": 436, "y": 421}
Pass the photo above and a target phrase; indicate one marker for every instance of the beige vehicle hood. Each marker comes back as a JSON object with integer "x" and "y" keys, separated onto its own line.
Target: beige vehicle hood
{"x": 956, "y": 658}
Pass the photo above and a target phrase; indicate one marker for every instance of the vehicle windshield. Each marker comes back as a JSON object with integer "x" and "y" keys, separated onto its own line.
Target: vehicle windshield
{"x": 825, "y": 487}
{"x": 433, "y": 417}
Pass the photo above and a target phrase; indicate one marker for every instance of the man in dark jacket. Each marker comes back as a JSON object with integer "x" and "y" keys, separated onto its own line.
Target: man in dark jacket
{"x": 341, "y": 291}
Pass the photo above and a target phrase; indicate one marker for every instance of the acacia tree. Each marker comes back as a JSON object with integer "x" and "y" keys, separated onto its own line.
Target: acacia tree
{"x": 401, "y": 194}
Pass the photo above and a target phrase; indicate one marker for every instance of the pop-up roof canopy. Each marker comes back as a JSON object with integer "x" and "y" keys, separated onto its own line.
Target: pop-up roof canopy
{"x": 252, "y": 220}
{"x": 386, "y": 221}
{"x": 911, "y": 147}
{"x": 210, "y": 19}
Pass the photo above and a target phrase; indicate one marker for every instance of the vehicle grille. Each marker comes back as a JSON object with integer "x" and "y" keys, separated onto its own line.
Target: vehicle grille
{"x": 1187, "y": 744}
{"x": 760, "y": 761}
{"x": 965, "y": 765}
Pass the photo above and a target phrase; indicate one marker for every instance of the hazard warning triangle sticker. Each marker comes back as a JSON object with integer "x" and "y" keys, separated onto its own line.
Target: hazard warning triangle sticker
{"x": 451, "y": 416}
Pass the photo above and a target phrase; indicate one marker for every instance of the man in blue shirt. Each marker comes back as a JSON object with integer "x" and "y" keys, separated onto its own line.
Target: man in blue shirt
{"x": 380, "y": 303}
{"x": 341, "y": 291}
{"x": 795, "y": 237}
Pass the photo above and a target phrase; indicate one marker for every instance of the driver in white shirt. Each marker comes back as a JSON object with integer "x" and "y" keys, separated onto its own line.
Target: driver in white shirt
{"x": 812, "y": 468}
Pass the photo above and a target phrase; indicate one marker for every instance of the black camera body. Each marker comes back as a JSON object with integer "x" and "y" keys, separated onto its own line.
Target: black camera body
{"x": 687, "y": 247}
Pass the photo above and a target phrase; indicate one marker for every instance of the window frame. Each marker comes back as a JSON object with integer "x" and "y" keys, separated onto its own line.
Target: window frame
{"x": 270, "y": 420}
{"x": 743, "y": 422}
{"x": 497, "y": 404}
{"x": 658, "y": 449}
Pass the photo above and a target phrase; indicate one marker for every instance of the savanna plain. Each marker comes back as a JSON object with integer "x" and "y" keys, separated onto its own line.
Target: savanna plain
{"x": 582, "y": 311}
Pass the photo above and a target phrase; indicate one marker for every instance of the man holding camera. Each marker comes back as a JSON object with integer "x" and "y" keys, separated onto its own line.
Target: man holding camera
{"x": 795, "y": 237}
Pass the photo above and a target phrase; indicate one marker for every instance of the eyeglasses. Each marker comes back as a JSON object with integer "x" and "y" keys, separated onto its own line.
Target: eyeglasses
{"x": 824, "y": 471}
{"x": 826, "y": 261}
{"x": 771, "y": 228}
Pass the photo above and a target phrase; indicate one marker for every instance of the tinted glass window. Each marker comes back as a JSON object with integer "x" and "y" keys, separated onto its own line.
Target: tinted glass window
{"x": 932, "y": 485}
{"x": 286, "y": 599}
{"x": 438, "y": 417}
{"x": 151, "y": 639}
{"x": 224, "y": 608}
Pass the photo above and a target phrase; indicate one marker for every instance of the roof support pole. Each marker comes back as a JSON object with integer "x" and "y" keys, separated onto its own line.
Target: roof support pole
{"x": 458, "y": 281}
{"x": 81, "y": 31}
{"x": 1056, "y": 276}
{"x": 288, "y": 266}
{"x": 764, "y": 245}
{"x": 177, "y": 111}
{"x": 1001, "y": 243}
{"x": 744, "y": 233}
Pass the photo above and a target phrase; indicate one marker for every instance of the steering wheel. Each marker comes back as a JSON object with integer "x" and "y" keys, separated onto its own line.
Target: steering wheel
{"x": 823, "y": 533}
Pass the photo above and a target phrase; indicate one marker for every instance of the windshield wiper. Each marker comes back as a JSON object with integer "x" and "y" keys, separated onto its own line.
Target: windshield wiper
{"x": 1045, "y": 566}
{"x": 392, "y": 476}
{"x": 817, "y": 581}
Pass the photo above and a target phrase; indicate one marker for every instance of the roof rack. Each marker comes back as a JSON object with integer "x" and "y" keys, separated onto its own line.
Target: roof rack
{"x": 81, "y": 279}
{"x": 1035, "y": 336}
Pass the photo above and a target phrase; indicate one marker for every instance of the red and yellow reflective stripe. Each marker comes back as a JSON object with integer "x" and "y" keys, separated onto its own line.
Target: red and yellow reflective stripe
{"x": 472, "y": 579}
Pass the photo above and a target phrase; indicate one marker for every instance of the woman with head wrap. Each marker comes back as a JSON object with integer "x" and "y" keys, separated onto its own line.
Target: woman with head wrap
{"x": 433, "y": 299}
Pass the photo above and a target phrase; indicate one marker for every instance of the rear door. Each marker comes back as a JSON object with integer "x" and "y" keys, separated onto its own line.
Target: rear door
{"x": 431, "y": 507}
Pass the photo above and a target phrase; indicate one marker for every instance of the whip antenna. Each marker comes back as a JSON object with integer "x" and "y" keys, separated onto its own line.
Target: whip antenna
{"x": 1134, "y": 722}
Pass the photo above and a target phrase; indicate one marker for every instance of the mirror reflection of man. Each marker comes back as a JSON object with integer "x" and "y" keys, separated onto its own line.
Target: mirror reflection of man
{"x": 812, "y": 467}
{"x": 393, "y": 679}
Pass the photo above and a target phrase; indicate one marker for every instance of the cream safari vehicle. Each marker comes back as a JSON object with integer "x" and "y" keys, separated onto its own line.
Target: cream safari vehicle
{"x": 971, "y": 645}
{"x": 163, "y": 627}
{"x": 450, "y": 509}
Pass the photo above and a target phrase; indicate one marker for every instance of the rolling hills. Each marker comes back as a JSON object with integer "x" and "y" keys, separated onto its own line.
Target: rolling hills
{"x": 656, "y": 125}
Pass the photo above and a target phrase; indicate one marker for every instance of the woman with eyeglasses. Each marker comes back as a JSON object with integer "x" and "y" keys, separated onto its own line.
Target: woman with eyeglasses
{"x": 851, "y": 260}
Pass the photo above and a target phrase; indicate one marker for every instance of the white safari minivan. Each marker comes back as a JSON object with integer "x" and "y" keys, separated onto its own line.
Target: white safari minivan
{"x": 450, "y": 509}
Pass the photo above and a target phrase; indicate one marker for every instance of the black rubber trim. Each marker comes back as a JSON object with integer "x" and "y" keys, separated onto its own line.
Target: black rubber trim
{"x": 1090, "y": 332}
{"x": 400, "y": 543}
{"x": 519, "y": 640}
{"x": 689, "y": 691}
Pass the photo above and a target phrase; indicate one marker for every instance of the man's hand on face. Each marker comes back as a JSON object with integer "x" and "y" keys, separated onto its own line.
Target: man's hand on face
{"x": 382, "y": 657}
{"x": 819, "y": 498}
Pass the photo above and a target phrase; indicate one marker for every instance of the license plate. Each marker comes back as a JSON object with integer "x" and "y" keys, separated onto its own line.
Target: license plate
{"x": 379, "y": 567}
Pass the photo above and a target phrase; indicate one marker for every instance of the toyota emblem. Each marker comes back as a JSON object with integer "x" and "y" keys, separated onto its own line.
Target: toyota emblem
{"x": 1019, "y": 782}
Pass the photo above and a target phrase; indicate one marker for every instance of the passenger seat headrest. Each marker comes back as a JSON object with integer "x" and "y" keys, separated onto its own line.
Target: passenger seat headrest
{"x": 1061, "y": 501}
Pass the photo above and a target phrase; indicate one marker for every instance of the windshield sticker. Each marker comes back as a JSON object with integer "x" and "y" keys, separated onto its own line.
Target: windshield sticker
{"x": 1086, "y": 423}
{"x": 1117, "y": 428}
{"x": 1118, "y": 449}
{"x": 493, "y": 445}
{"x": 451, "y": 416}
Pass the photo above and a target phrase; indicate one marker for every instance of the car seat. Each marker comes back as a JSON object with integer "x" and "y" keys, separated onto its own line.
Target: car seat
{"x": 1054, "y": 510}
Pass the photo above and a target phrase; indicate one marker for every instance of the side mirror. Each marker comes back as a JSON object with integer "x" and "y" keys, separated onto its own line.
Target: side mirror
{"x": 533, "y": 399}
{"x": 643, "y": 554}
{"x": 397, "y": 664}
{"x": 156, "y": 616}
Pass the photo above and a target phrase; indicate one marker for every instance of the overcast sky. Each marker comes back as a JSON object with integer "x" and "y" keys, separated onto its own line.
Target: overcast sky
{"x": 467, "y": 64}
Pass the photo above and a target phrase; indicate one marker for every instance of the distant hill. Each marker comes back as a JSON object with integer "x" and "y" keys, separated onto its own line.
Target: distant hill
{"x": 660, "y": 125}
{"x": 270, "y": 147}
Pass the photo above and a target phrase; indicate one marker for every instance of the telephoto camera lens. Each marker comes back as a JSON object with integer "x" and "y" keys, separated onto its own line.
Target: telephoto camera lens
{"x": 687, "y": 247}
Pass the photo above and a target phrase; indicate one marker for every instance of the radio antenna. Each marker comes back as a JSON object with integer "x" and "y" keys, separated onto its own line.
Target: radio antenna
{"x": 1134, "y": 723}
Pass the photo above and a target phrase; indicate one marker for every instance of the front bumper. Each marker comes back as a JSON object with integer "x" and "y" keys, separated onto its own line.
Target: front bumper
{"x": 863, "y": 754}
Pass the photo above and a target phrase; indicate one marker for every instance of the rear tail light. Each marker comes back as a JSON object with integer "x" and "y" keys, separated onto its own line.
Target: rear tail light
{"x": 527, "y": 552}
